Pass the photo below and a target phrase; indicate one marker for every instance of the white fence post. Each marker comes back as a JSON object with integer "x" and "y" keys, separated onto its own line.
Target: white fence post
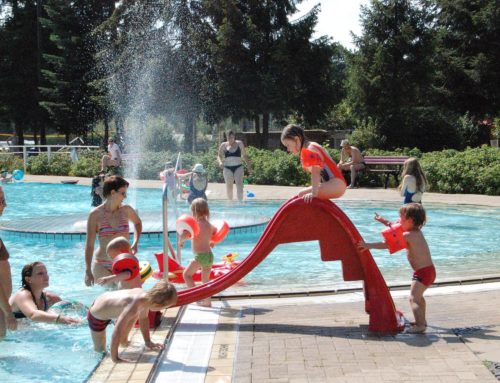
{"x": 25, "y": 156}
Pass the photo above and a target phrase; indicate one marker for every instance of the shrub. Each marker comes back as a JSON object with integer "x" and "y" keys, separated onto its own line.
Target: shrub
{"x": 10, "y": 162}
{"x": 88, "y": 164}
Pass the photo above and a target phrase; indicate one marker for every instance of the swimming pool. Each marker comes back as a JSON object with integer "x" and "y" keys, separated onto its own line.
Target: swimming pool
{"x": 463, "y": 242}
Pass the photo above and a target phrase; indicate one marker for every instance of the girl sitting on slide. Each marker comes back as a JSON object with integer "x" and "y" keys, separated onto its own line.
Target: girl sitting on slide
{"x": 327, "y": 180}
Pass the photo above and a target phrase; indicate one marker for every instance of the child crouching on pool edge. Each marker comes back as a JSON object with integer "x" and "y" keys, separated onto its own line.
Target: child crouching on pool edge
{"x": 412, "y": 217}
{"x": 126, "y": 306}
{"x": 201, "y": 246}
{"x": 115, "y": 247}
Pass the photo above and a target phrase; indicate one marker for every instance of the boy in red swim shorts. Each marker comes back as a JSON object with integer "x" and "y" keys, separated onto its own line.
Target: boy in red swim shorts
{"x": 412, "y": 218}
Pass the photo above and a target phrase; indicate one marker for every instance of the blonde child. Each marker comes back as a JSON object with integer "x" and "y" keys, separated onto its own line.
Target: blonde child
{"x": 327, "y": 180}
{"x": 126, "y": 306}
{"x": 413, "y": 181}
{"x": 201, "y": 246}
{"x": 412, "y": 218}
{"x": 116, "y": 247}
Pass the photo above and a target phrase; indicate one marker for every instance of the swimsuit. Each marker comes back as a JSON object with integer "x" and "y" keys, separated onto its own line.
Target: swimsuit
{"x": 329, "y": 168}
{"x": 95, "y": 324}
{"x": 196, "y": 193}
{"x": 205, "y": 259}
{"x": 236, "y": 153}
{"x": 20, "y": 315}
{"x": 96, "y": 198}
{"x": 425, "y": 275}
{"x": 408, "y": 196}
{"x": 106, "y": 230}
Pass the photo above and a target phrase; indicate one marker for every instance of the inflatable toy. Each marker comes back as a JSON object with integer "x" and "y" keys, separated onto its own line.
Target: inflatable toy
{"x": 250, "y": 194}
{"x": 70, "y": 308}
{"x": 245, "y": 181}
{"x": 221, "y": 233}
{"x": 187, "y": 223}
{"x": 145, "y": 270}
{"x": 175, "y": 270}
{"x": 18, "y": 175}
{"x": 126, "y": 262}
{"x": 393, "y": 237}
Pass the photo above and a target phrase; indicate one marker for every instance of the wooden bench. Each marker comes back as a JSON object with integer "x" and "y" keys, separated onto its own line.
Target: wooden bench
{"x": 388, "y": 165}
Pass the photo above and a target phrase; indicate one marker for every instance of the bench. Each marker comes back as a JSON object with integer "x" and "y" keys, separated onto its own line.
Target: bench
{"x": 388, "y": 165}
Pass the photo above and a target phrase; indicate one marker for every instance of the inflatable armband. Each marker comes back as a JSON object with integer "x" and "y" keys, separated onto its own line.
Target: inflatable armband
{"x": 394, "y": 238}
{"x": 310, "y": 158}
{"x": 187, "y": 223}
{"x": 126, "y": 262}
{"x": 221, "y": 233}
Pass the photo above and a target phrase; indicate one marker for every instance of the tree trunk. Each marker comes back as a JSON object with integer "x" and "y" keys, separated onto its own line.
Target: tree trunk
{"x": 189, "y": 134}
{"x": 265, "y": 130}
{"x": 256, "y": 124}
{"x": 106, "y": 129}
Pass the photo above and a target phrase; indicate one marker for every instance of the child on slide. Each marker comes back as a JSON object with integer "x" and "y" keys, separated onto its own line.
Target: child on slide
{"x": 327, "y": 180}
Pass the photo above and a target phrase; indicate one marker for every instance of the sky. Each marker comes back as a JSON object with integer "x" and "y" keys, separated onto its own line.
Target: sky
{"x": 336, "y": 19}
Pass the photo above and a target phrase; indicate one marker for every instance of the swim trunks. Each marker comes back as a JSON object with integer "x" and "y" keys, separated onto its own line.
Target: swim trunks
{"x": 425, "y": 275}
{"x": 205, "y": 259}
{"x": 4, "y": 254}
{"x": 95, "y": 324}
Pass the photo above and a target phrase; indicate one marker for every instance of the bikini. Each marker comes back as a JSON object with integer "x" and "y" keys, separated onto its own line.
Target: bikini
{"x": 106, "y": 230}
{"x": 20, "y": 315}
{"x": 236, "y": 153}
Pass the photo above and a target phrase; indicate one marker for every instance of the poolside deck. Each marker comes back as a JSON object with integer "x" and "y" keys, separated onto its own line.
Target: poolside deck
{"x": 323, "y": 338}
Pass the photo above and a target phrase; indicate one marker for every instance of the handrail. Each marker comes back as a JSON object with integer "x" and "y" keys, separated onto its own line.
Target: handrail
{"x": 25, "y": 148}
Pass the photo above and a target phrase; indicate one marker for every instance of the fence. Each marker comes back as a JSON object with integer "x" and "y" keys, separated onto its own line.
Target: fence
{"x": 29, "y": 150}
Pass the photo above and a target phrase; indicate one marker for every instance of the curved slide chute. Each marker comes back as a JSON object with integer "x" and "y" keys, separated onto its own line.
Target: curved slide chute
{"x": 323, "y": 221}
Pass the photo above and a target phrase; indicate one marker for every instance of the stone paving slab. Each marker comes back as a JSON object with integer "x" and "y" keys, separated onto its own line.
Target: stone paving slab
{"x": 331, "y": 343}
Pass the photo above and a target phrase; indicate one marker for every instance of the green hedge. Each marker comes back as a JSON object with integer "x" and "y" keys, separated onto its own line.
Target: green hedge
{"x": 475, "y": 170}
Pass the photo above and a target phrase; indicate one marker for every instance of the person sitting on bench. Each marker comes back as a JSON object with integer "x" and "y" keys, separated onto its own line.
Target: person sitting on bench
{"x": 351, "y": 160}
{"x": 114, "y": 156}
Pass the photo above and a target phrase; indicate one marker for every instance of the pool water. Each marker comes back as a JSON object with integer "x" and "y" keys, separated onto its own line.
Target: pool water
{"x": 462, "y": 239}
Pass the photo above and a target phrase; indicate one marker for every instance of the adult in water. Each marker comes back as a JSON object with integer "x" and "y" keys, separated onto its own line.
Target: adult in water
{"x": 108, "y": 221}
{"x": 32, "y": 301}
{"x": 230, "y": 157}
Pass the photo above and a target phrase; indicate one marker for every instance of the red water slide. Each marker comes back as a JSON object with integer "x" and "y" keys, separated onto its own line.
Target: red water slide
{"x": 323, "y": 221}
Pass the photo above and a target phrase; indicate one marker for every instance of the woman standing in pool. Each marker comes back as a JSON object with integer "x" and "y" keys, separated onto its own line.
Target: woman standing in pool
{"x": 7, "y": 320}
{"x": 230, "y": 158}
{"x": 32, "y": 302}
{"x": 327, "y": 180}
{"x": 108, "y": 221}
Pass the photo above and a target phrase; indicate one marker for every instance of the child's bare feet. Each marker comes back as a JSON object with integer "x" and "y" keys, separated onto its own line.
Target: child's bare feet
{"x": 416, "y": 329}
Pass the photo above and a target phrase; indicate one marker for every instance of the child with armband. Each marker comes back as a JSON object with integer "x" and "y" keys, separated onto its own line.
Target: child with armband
{"x": 327, "y": 180}
{"x": 126, "y": 306}
{"x": 117, "y": 247}
{"x": 411, "y": 218}
{"x": 201, "y": 245}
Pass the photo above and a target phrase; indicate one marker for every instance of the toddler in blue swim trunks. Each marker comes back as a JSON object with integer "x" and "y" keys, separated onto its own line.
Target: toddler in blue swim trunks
{"x": 203, "y": 257}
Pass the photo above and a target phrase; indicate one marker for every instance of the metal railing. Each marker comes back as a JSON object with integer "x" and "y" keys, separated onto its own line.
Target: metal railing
{"x": 27, "y": 150}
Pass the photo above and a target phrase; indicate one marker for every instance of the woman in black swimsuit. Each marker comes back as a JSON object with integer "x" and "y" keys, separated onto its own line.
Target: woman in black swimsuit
{"x": 34, "y": 303}
{"x": 231, "y": 157}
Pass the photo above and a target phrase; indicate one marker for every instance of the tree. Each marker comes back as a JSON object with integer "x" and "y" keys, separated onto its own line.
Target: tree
{"x": 67, "y": 94}
{"x": 390, "y": 76}
{"x": 468, "y": 56}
